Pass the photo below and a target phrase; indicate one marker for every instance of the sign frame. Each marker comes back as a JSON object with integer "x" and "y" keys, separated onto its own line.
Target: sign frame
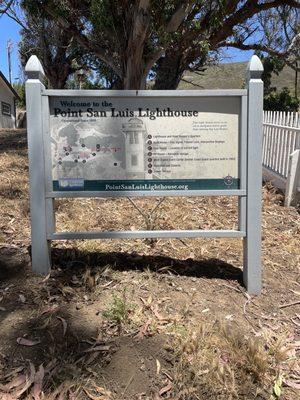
{"x": 241, "y": 95}
{"x": 42, "y": 195}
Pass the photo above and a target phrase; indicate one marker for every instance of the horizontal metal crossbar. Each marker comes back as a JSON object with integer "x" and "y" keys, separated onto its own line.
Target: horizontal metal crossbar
{"x": 144, "y": 93}
{"x": 153, "y": 193}
{"x": 146, "y": 234}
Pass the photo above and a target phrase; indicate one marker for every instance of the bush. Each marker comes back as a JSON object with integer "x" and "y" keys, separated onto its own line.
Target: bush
{"x": 20, "y": 89}
{"x": 281, "y": 101}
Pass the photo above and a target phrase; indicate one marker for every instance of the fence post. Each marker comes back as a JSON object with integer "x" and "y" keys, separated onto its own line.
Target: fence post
{"x": 40, "y": 246}
{"x": 252, "y": 241}
{"x": 293, "y": 179}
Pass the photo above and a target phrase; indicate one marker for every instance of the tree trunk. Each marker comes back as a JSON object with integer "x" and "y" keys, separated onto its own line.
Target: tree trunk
{"x": 58, "y": 76}
{"x": 169, "y": 72}
{"x": 134, "y": 63}
{"x": 134, "y": 72}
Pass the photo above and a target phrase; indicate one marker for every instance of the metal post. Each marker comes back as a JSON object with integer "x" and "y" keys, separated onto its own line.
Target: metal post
{"x": 40, "y": 246}
{"x": 252, "y": 241}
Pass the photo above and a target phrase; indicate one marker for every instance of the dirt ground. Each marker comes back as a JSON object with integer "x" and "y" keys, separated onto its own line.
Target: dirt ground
{"x": 140, "y": 319}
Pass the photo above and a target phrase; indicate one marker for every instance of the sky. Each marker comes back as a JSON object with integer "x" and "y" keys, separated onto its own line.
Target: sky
{"x": 9, "y": 29}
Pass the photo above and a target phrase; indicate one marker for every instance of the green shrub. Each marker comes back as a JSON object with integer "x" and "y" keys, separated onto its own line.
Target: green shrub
{"x": 20, "y": 89}
{"x": 281, "y": 101}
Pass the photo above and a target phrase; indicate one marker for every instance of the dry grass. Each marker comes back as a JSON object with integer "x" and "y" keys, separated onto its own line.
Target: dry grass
{"x": 219, "y": 361}
{"x": 145, "y": 320}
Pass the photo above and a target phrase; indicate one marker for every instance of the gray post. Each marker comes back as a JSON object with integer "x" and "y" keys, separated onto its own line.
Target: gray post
{"x": 40, "y": 246}
{"x": 252, "y": 241}
{"x": 293, "y": 180}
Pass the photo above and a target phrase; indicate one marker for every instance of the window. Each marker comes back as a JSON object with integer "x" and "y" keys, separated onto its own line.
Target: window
{"x": 133, "y": 138}
{"x": 134, "y": 160}
{"x": 6, "y": 108}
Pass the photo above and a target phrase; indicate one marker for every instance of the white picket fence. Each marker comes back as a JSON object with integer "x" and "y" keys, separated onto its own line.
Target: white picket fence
{"x": 281, "y": 149}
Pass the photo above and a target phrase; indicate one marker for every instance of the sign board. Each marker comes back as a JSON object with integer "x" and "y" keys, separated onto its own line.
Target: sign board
{"x": 97, "y": 143}
{"x": 144, "y": 143}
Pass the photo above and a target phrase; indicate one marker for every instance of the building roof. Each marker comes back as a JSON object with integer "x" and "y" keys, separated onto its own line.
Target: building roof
{"x": 135, "y": 120}
{"x": 9, "y": 85}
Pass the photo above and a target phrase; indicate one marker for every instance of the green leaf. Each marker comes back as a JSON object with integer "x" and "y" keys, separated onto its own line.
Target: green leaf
{"x": 277, "y": 386}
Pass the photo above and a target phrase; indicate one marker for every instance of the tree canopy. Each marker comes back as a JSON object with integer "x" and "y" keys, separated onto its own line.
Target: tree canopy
{"x": 55, "y": 47}
{"x": 135, "y": 39}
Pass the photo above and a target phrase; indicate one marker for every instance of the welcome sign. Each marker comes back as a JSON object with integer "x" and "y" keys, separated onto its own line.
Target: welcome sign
{"x": 144, "y": 143}
{"x": 102, "y": 143}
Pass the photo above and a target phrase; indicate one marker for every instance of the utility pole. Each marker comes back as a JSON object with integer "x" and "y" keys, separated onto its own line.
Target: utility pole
{"x": 9, "y": 47}
{"x": 296, "y": 78}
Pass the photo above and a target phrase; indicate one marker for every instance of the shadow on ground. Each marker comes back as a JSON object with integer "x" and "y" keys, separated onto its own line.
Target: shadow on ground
{"x": 13, "y": 262}
{"x": 81, "y": 357}
{"x": 14, "y": 142}
{"x": 73, "y": 259}
{"x": 63, "y": 330}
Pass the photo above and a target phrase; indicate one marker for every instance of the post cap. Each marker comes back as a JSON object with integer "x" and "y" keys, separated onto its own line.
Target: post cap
{"x": 254, "y": 68}
{"x": 34, "y": 68}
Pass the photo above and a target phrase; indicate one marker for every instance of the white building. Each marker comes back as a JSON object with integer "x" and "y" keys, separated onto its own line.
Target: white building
{"x": 8, "y": 97}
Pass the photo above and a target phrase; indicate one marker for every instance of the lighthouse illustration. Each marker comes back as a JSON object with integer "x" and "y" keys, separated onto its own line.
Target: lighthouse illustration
{"x": 135, "y": 142}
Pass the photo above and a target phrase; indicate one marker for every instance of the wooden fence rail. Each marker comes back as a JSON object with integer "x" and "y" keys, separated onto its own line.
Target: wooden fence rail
{"x": 281, "y": 139}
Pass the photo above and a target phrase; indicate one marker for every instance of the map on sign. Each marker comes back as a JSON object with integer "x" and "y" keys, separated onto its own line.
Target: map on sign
{"x": 144, "y": 144}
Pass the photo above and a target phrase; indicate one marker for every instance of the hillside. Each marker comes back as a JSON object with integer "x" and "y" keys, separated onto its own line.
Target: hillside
{"x": 231, "y": 76}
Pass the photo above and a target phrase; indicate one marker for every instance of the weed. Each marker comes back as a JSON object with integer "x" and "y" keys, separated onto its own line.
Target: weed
{"x": 118, "y": 311}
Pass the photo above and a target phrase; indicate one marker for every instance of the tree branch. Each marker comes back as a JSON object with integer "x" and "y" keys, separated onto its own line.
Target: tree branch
{"x": 191, "y": 83}
{"x": 254, "y": 46}
{"x": 17, "y": 20}
{"x": 179, "y": 15}
{"x": 247, "y": 11}
{"x": 152, "y": 59}
{"x": 83, "y": 40}
{"x": 261, "y": 47}
{"x": 6, "y": 7}
{"x": 278, "y": 3}
{"x": 12, "y": 14}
